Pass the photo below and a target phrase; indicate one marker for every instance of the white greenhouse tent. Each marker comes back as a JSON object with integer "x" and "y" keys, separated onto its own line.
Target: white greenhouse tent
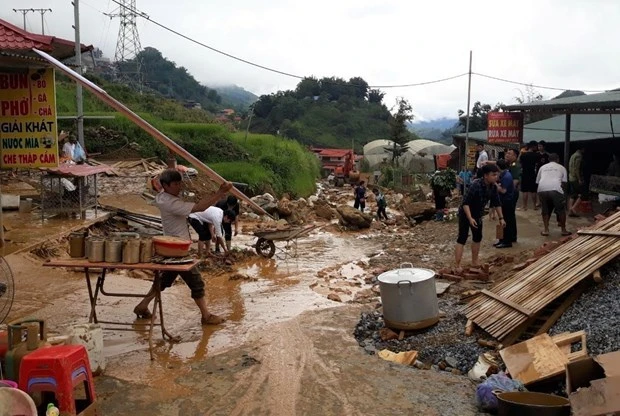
{"x": 419, "y": 157}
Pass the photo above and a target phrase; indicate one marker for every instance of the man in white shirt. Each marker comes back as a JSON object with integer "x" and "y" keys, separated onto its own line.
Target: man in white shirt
{"x": 551, "y": 180}
{"x": 483, "y": 158}
{"x": 208, "y": 225}
{"x": 72, "y": 151}
{"x": 68, "y": 148}
{"x": 174, "y": 213}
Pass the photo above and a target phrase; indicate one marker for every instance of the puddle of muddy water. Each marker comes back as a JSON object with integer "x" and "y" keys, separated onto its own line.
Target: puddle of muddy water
{"x": 276, "y": 290}
{"x": 25, "y": 229}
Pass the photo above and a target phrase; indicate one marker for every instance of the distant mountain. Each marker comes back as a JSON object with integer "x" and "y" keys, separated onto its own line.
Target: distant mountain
{"x": 438, "y": 123}
{"x": 434, "y": 129}
{"x": 570, "y": 93}
{"x": 235, "y": 96}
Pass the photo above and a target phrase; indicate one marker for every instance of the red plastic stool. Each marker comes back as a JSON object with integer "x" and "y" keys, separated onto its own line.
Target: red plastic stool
{"x": 59, "y": 369}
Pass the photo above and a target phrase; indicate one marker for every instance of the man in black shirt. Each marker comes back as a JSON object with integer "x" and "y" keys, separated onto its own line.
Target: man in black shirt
{"x": 230, "y": 203}
{"x": 543, "y": 156}
{"x": 529, "y": 161}
{"x": 481, "y": 192}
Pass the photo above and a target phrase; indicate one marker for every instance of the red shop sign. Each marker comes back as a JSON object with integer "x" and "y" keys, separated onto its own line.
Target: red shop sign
{"x": 505, "y": 127}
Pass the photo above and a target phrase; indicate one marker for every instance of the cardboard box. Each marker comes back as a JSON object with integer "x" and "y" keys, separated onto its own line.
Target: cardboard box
{"x": 593, "y": 385}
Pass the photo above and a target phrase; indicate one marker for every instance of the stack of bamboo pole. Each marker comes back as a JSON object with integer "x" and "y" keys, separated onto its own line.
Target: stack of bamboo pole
{"x": 539, "y": 284}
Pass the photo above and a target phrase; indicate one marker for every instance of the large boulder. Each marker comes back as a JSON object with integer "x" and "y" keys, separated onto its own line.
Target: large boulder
{"x": 353, "y": 217}
{"x": 426, "y": 210}
{"x": 266, "y": 202}
{"x": 285, "y": 207}
{"x": 322, "y": 209}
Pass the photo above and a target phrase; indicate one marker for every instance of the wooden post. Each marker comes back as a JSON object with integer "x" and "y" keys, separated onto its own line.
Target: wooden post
{"x": 567, "y": 128}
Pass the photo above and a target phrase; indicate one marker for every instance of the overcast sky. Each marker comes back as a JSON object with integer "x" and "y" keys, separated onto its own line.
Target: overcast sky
{"x": 559, "y": 43}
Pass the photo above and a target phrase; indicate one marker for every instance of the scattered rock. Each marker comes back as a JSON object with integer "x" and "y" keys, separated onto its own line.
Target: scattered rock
{"x": 452, "y": 362}
{"x": 248, "y": 361}
{"x": 334, "y": 297}
{"x": 387, "y": 334}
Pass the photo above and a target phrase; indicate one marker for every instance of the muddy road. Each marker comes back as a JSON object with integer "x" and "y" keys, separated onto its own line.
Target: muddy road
{"x": 284, "y": 350}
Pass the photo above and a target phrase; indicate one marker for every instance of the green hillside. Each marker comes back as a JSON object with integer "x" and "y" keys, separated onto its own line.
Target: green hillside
{"x": 264, "y": 162}
{"x": 330, "y": 112}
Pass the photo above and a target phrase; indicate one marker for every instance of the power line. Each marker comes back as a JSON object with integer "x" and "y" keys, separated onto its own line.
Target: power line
{"x": 530, "y": 84}
{"x": 288, "y": 74}
{"x": 277, "y": 71}
{"x": 420, "y": 83}
{"x": 24, "y": 12}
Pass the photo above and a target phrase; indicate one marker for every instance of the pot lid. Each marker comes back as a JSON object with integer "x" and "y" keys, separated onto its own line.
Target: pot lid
{"x": 412, "y": 274}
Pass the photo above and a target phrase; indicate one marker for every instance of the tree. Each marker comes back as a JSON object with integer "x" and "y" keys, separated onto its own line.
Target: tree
{"x": 375, "y": 96}
{"x": 529, "y": 95}
{"x": 308, "y": 87}
{"x": 263, "y": 106}
{"x": 478, "y": 116}
{"x": 399, "y": 134}
{"x": 359, "y": 87}
{"x": 334, "y": 87}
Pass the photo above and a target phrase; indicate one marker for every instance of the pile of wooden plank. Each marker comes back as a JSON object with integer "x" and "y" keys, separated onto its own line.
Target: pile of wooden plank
{"x": 511, "y": 303}
{"x": 149, "y": 166}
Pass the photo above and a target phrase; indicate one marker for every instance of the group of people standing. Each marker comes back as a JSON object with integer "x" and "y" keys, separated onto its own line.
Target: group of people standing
{"x": 532, "y": 172}
{"x": 359, "y": 193}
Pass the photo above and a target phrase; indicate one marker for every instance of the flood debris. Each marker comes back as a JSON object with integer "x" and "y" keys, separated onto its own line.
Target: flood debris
{"x": 542, "y": 357}
{"x": 403, "y": 357}
{"x": 443, "y": 342}
{"x": 593, "y": 384}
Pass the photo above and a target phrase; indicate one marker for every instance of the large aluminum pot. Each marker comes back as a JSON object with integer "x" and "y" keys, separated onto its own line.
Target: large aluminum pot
{"x": 409, "y": 298}
{"x": 527, "y": 403}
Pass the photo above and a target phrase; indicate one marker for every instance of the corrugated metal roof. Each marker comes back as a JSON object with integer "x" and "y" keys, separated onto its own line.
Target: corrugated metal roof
{"x": 602, "y": 101}
{"x": 583, "y": 127}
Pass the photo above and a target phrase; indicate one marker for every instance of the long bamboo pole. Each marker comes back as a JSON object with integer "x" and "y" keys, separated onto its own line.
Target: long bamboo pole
{"x": 162, "y": 138}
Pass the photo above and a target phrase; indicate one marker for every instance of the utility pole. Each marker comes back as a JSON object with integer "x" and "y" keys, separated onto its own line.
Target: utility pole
{"x": 78, "y": 63}
{"x": 42, "y": 11}
{"x": 467, "y": 120}
{"x": 24, "y": 12}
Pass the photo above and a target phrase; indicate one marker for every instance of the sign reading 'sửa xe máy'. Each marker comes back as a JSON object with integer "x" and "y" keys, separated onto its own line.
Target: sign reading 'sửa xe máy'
{"x": 28, "y": 133}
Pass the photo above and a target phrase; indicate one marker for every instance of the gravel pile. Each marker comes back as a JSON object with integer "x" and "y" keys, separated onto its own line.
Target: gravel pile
{"x": 444, "y": 341}
{"x": 596, "y": 312}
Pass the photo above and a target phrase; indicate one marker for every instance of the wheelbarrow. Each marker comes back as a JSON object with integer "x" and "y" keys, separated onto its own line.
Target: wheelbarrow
{"x": 265, "y": 245}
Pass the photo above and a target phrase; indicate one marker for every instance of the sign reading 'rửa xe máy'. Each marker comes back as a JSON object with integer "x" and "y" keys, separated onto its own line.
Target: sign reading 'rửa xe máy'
{"x": 28, "y": 131}
{"x": 505, "y": 127}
